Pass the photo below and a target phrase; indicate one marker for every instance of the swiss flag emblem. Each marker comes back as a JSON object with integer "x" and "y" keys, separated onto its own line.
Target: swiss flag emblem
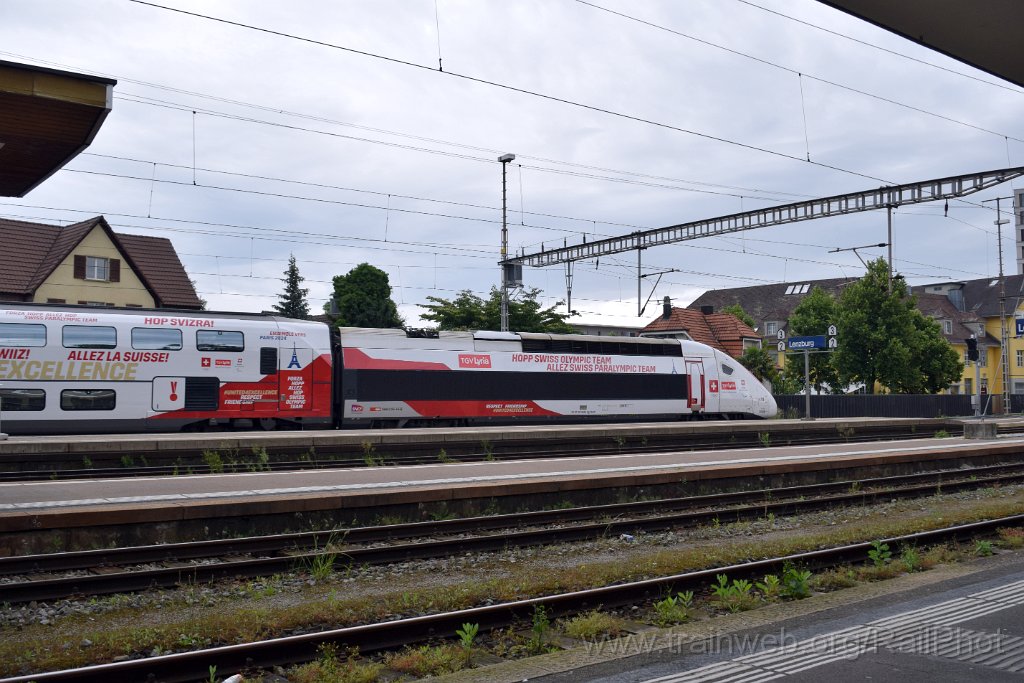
{"x": 205, "y": 362}
{"x": 713, "y": 386}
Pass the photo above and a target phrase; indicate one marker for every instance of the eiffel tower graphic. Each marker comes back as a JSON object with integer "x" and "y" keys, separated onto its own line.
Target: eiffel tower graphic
{"x": 294, "y": 362}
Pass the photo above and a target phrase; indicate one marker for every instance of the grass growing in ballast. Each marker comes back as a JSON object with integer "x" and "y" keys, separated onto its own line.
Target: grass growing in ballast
{"x": 190, "y": 617}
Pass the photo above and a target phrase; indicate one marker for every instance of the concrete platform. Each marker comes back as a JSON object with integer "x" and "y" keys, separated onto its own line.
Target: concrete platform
{"x": 353, "y": 439}
{"x": 118, "y": 511}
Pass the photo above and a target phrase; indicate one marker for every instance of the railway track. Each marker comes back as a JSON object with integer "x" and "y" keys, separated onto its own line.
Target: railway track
{"x": 124, "y": 465}
{"x": 370, "y": 638}
{"x": 98, "y": 572}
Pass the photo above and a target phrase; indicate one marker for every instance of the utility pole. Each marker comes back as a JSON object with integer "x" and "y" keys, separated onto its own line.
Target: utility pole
{"x": 504, "y": 159}
{"x": 889, "y": 211}
{"x": 1004, "y": 335}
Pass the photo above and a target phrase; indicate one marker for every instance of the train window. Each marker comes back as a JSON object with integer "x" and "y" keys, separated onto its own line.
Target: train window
{"x": 21, "y": 334}
{"x": 22, "y": 399}
{"x": 726, "y": 369}
{"x": 219, "y": 340}
{"x": 156, "y": 339}
{"x": 89, "y": 337}
{"x": 88, "y": 399}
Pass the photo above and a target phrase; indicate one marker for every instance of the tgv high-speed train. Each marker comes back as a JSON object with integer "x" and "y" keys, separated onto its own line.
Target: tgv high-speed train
{"x": 78, "y": 369}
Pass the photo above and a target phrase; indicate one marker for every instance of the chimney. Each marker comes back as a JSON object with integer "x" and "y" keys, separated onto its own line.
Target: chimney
{"x": 667, "y": 309}
{"x": 707, "y": 310}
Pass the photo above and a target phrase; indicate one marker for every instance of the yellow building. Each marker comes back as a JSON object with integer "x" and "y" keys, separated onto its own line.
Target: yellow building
{"x": 88, "y": 263}
{"x": 977, "y": 303}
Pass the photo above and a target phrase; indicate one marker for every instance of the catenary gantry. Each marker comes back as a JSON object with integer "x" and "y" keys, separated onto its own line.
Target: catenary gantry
{"x": 869, "y": 200}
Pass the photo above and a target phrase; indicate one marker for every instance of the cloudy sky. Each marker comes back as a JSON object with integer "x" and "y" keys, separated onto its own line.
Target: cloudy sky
{"x": 326, "y": 130}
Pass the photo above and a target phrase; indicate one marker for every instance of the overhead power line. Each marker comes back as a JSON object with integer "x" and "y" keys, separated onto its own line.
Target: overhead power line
{"x": 799, "y": 73}
{"x": 512, "y": 88}
{"x": 873, "y": 46}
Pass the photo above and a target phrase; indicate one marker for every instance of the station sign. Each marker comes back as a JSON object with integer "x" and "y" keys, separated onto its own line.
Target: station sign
{"x": 806, "y": 343}
{"x": 1020, "y": 326}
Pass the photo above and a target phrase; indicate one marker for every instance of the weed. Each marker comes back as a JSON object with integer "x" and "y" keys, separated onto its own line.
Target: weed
{"x": 86, "y": 462}
{"x": 620, "y": 441}
{"x": 488, "y": 449}
{"x": 329, "y": 669}
{"x": 1011, "y": 538}
{"x": 442, "y": 456}
{"x": 261, "y": 460}
{"x": 370, "y": 456}
{"x": 770, "y": 518}
{"x": 593, "y": 624}
{"x": 539, "y": 630}
{"x": 835, "y": 579}
{"x": 941, "y": 434}
{"x": 771, "y": 587}
{"x": 127, "y": 461}
{"x": 846, "y": 431}
{"x": 467, "y": 634}
{"x": 675, "y": 609}
{"x": 213, "y": 461}
{"x": 855, "y": 486}
{"x": 879, "y": 554}
{"x": 984, "y": 548}
{"x": 735, "y": 597}
{"x": 213, "y": 674}
{"x": 765, "y": 438}
{"x": 911, "y": 559}
{"x": 424, "y": 661}
{"x": 796, "y": 583}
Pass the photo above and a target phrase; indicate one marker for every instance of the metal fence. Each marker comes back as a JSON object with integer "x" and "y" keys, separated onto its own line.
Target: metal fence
{"x": 887, "y": 405}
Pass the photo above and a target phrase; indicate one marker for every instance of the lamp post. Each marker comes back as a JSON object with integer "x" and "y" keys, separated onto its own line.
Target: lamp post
{"x": 504, "y": 159}
{"x": 3, "y": 436}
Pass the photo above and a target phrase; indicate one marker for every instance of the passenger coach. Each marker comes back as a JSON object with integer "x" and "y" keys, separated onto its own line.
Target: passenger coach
{"x": 82, "y": 369}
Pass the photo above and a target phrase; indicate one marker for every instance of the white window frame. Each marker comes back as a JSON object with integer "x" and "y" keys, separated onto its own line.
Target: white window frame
{"x": 771, "y": 328}
{"x": 947, "y": 327}
{"x": 97, "y": 268}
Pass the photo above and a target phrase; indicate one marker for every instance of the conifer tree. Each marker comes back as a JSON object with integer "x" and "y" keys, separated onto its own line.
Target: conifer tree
{"x": 293, "y": 302}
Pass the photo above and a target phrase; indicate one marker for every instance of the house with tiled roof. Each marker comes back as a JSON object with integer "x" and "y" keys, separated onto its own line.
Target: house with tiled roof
{"x": 979, "y": 301}
{"x": 88, "y": 263}
{"x": 722, "y": 331}
{"x": 769, "y": 305}
{"x": 958, "y": 307}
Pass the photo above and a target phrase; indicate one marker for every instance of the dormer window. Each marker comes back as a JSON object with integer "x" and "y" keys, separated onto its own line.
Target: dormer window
{"x": 947, "y": 327}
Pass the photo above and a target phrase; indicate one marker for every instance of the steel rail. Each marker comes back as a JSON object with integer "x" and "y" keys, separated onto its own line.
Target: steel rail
{"x": 130, "y": 581}
{"x": 230, "y": 659}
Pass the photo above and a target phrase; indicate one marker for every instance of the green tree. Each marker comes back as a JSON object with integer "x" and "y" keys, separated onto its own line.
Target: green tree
{"x": 812, "y": 317}
{"x": 292, "y": 302}
{"x": 884, "y": 338}
{"x": 738, "y": 311}
{"x": 363, "y": 298}
{"x": 760, "y": 363}
{"x": 471, "y": 312}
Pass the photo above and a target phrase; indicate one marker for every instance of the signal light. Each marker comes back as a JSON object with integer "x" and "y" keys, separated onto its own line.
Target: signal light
{"x": 972, "y": 348}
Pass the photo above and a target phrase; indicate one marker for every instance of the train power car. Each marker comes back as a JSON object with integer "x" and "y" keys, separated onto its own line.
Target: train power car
{"x": 81, "y": 369}
{"x": 388, "y": 377}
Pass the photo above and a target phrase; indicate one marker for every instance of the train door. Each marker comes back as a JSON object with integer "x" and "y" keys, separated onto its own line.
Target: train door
{"x": 168, "y": 393}
{"x": 695, "y": 377}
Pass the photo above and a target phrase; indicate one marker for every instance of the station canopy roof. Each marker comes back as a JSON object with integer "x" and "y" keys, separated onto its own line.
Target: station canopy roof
{"x": 46, "y": 118}
{"x": 976, "y": 32}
